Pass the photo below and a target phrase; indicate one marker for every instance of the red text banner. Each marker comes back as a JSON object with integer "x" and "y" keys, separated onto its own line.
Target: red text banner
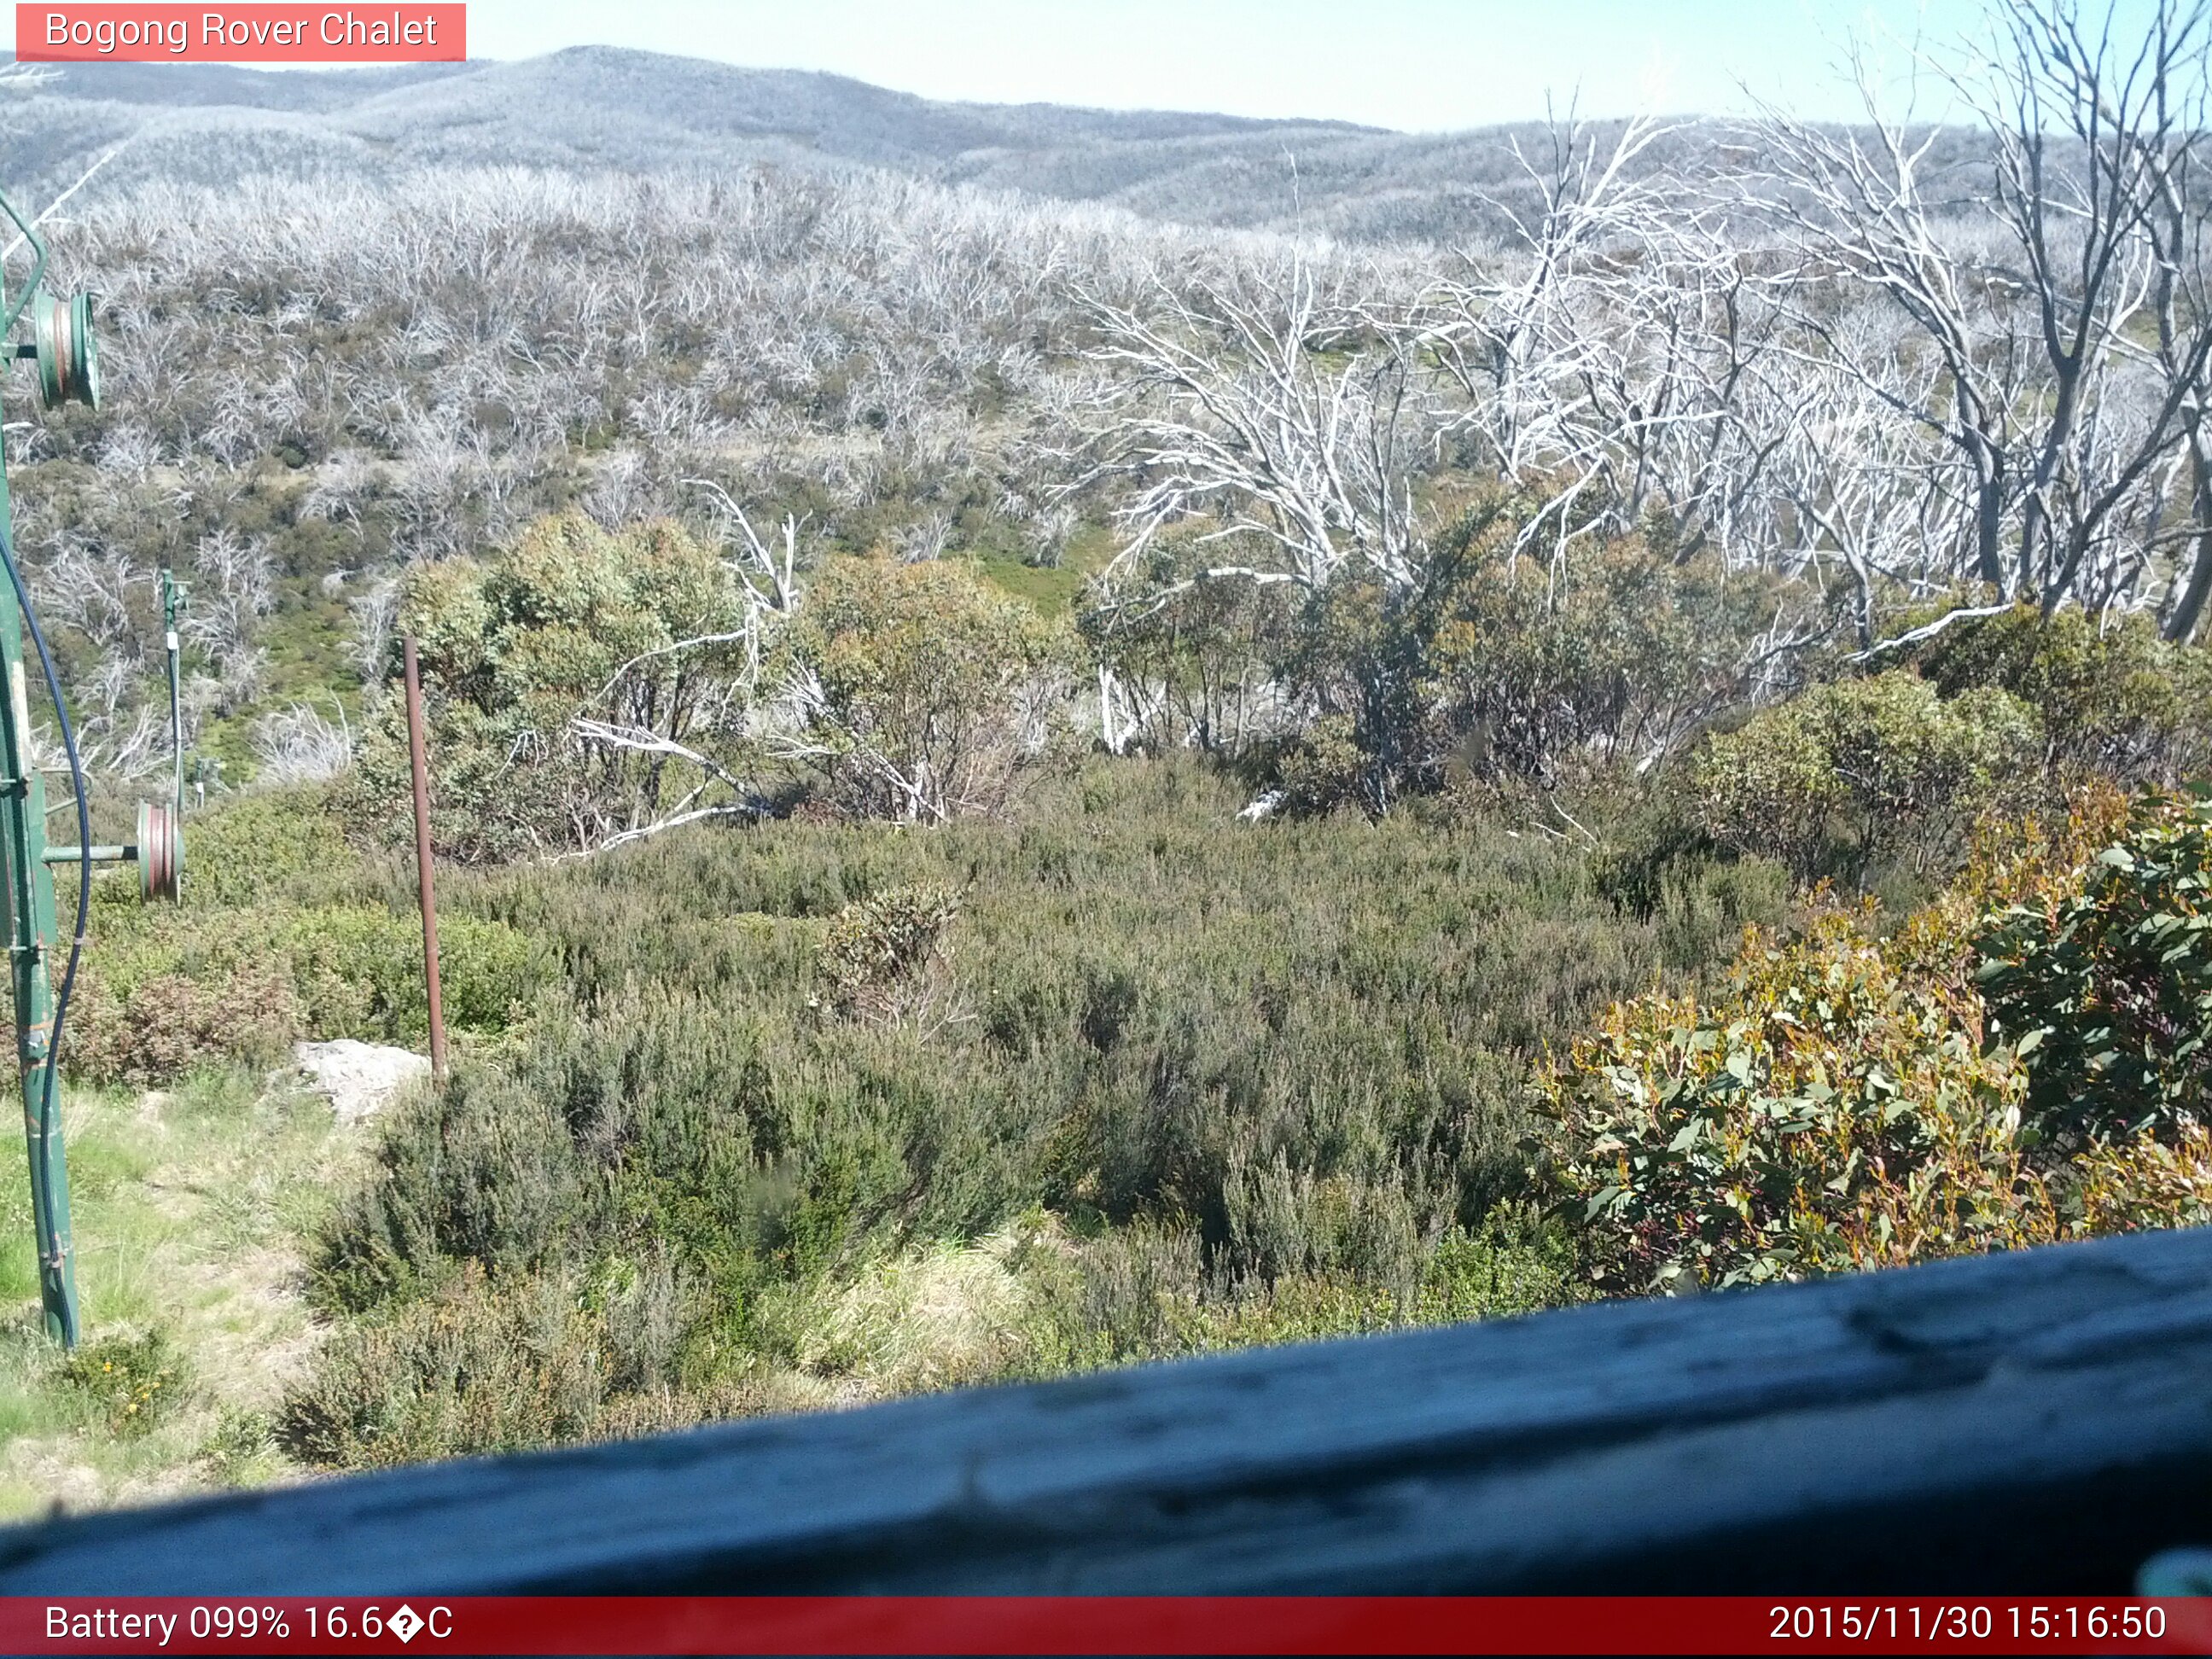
{"x": 258, "y": 33}
{"x": 1101, "y": 1625}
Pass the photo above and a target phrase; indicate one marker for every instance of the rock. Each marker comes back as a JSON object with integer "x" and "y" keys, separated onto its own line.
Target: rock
{"x": 1262, "y": 808}
{"x": 360, "y": 1077}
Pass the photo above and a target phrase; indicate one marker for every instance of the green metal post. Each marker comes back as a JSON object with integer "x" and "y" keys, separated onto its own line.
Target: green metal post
{"x": 32, "y": 936}
{"x": 169, "y": 597}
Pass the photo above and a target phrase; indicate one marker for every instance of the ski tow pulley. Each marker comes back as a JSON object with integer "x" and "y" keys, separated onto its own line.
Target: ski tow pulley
{"x": 68, "y": 354}
{"x": 161, "y": 852}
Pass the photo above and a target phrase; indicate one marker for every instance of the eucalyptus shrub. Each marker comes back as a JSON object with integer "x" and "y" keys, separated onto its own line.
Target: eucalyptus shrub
{"x": 2105, "y": 987}
{"x": 570, "y": 620}
{"x": 922, "y": 691}
{"x": 1613, "y": 647}
{"x": 1835, "y": 1108}
{"x": 2021, "y": 1061}
{"x": 1196, "y": 656}
{"x": 1531, "y": 665}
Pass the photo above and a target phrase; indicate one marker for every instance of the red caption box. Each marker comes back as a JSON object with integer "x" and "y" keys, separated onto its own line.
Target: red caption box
{"x": 260, "y": 34}
{"x": 457, "y": 1625}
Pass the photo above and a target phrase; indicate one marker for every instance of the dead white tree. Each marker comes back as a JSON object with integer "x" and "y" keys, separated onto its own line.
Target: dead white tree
{"x": 1271, "y": 411}
{"x": 920, "y": 761}
{"x": 301, "y": 745}
{"x": 768, "y": 576}
{"x": 237, "y": 588}
{"x": 1862, "y": 496}
{"x": 2088, "y": 124}
{"x": 1855, "y": 202}
{"x": 2170, "y": 148}
{"x": 2057, "y": 423}
{"x": 1531, "y": 335}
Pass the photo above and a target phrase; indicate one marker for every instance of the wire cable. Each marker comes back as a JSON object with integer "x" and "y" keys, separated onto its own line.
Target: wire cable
{"x": 84, "y": 856}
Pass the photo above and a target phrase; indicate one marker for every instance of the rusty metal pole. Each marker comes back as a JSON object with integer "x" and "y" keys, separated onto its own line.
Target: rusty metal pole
{"x": 423, "y": 859}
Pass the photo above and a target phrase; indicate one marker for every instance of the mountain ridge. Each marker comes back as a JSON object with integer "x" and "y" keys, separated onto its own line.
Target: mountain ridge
{"x": 600, "y": 108}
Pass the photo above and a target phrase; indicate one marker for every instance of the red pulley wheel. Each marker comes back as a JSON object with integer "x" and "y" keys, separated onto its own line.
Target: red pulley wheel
{"x": 161, "y": 852}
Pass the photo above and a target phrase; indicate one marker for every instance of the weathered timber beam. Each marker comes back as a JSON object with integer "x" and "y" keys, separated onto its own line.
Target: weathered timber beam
{"x": 2033, "y": 1422}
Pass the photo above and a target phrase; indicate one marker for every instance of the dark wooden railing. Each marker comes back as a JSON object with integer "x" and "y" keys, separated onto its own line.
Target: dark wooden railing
{"x": 2040, "y": 1422}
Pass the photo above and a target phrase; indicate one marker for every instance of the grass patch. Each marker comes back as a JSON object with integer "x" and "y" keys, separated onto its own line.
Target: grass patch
{"x": 190, "y": 1207}
{"x": 1052, "y": 590}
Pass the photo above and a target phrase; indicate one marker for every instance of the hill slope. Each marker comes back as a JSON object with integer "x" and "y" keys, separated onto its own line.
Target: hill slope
{"x": 603, "y": 107}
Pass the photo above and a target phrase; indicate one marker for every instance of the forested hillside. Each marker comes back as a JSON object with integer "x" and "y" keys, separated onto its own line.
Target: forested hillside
{"x": 1042, "y": 761}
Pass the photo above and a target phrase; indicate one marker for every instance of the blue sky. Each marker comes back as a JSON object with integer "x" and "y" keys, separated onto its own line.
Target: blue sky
{"x": 1419, "y": 65}
{"x": 1416, "y": 64}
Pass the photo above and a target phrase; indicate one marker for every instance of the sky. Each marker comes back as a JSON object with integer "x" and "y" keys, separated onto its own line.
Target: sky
{"x": 1414, "y": 64}
{"x": 1419, "y": 65}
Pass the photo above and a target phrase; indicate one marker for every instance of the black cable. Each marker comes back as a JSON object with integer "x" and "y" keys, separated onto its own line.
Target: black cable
{"x": 84, "y": 849}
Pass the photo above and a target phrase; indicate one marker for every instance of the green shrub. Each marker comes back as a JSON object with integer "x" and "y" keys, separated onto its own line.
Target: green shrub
{"x": 162, "y": 989}
{"x": 1145, "y": 1292}
{"x": 2142, "y": 1182}
{"x": 240, "y": 1450}
{"x": 1291, "y": 1224}
{"x": 1512, "y": 1264}
{"x": 155, "y": 1031}
{"x": 1834, "y": 1110}
{"x": 882, "y": 957}
{"x": 1859, "y": 1101}
{"x": 570, "y": 620}
{"x": 1322, "y": 767}
{"x": 1197, "y": 656}
{"x": 1855, "y": 772}
{"x": 470, "y": 1371}
{"x": 2104, "y": 985}
{"x": 1511, "y": 662}
{"x": 170, "y": 989}
{"x": 1134, "y": 1294}
{"x": 263, "y": 844}
{"x": 359, "y": 972}
{"x": 2115, "y": 698}
{"x": 1615, "y": 648}
{"x": 930, "y": 694}
{"x": 483, "y": 1170}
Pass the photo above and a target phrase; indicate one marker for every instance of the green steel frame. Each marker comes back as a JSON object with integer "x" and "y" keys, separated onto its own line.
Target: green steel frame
{"x": 32, "y": 936}
{"x": 67, "y": 361}
{"x": 172, "y": 599}
{"x": 32, "y": 933}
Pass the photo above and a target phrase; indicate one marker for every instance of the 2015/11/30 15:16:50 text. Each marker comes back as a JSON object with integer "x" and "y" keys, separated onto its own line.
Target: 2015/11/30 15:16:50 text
{"x": 2123, "y": 1621}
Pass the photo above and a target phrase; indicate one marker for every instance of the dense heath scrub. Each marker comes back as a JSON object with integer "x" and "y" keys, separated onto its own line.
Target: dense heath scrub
{"x": 822, "y": 1111}
{"x": 808, "y": 1112}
